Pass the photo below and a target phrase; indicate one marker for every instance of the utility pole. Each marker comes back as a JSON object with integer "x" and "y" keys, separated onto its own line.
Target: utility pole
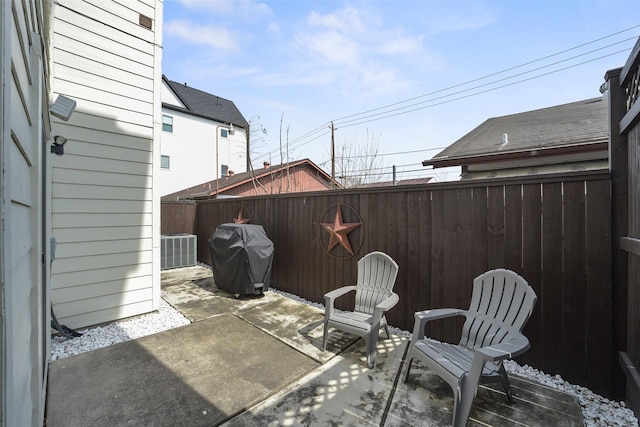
{"x": 333, "y": 152}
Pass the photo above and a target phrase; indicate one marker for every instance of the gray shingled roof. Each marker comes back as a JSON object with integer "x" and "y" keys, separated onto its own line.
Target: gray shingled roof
{"x": 575, "y": 123}
{"x": 206, "y": 105}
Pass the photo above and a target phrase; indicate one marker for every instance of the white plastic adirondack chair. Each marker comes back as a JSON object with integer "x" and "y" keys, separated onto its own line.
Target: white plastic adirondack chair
{"x": 501, "y": 304}
{"x": 377, "y": 274}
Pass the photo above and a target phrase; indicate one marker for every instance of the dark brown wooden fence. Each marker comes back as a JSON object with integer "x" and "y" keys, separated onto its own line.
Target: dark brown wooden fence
{"x": 555, "y": 231}
{"x": 178, "y": 217}
{"x": 624, "y": 97}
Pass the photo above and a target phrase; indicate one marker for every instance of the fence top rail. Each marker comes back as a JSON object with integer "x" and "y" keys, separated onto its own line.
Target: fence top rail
{"x": 179, "y": 202}
{"x": 477, "y": 183}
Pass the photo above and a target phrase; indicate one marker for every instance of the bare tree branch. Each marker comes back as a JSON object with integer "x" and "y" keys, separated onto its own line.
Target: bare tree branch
{"x": 359, "y": 164}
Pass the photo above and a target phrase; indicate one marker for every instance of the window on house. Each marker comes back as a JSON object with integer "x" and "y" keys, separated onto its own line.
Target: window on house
{"x": 164, "y": 162}
{"x": 224, "y": 133}
{"x": 167, "y": 123}
{"x": 223, "y": 170}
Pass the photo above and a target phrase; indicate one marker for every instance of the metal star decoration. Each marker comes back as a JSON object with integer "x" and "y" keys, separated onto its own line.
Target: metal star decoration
{"x": 240, "y": 219}
{"x": 339, "y": 231}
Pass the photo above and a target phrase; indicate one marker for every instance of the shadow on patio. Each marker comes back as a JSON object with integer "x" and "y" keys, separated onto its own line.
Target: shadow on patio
{"x": 257, "y": 361}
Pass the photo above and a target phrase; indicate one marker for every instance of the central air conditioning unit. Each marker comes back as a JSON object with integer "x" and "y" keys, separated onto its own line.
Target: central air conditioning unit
{"x": 178, "y": 250}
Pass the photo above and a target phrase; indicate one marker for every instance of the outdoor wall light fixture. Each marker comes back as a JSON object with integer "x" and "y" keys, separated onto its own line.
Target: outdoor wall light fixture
{"x": 63, "y": 107}
{"x": 58, "y": 145}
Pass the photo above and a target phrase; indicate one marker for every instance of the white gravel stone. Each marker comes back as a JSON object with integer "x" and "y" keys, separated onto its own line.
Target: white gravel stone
{"x": 597, "y": 411}
{"x": 102, "y": 336}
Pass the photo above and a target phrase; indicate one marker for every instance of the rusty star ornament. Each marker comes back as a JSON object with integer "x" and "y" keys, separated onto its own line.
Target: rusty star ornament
{"x": 339, "y": 231}
{"x": 241, "y": 217}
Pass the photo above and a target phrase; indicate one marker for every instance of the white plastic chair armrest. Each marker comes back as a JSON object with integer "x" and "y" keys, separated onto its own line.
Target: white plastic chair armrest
{"x": 504, "y": 350}
{"x": 331, "y": 296}
{"x": 384, "y": 305}
{"x": 388, "y": 303}
{"x": 422, "y": 317}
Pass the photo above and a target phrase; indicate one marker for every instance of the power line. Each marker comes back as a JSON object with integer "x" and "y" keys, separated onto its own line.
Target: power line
{"x": 383, "y": 173}
{"x": 370, "y": 171}
{"x": 376, "y": 116}
{"x": 389, "y": 154}
{"x": 483, "y": 91}
{"x": 382, "y": 168}
{"x": 384, "y": 114}
{"x": 585, "y": 135}
{"x": 496, "y": 73}
{"x": 465, "y": 96}
{"x": 407, "y": 174}
{"x": 315, "y": 133}
{"x": 267, "y": 154}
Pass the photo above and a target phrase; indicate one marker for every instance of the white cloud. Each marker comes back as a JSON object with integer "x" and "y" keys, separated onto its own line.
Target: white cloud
{"x": 347, "y": 20}
{"x": 468, "y": 18}
{"x": 401, "y": 45}
{"x": 353, "y": 48}
{"x": 213, "y": 6}
{"x": 191, "y": 32}
{"x": 330, "y": 47}
{"x": 274, "y": 28}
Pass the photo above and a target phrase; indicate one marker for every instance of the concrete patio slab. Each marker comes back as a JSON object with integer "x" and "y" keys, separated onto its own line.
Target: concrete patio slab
{"x": 199, "y": 374}
{"x": 298, "y": 325}
{"x": 199, "y": 298}
{"x": 342, "y": 392}
{"x": 185, "y": 292}
{"x": 215, "y": 304}
{"x": 196, "y": 275}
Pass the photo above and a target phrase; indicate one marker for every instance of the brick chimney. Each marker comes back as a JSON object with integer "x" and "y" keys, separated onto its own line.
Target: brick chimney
{"x": 266, "y": 165}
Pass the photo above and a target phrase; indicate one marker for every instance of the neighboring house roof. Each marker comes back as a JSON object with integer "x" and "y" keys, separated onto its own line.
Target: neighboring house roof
{"x": 205, "y": 105}
{"x": 226, "y": 183}
{"x": 563, "y": 129}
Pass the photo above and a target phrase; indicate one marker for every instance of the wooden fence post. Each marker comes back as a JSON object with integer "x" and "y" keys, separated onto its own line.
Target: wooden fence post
{"x": 630, "y": 242}
{"x": 620, "y": 219}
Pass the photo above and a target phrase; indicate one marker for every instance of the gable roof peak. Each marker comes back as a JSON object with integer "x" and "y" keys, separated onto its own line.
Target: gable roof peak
{"x": 203, "y": 104}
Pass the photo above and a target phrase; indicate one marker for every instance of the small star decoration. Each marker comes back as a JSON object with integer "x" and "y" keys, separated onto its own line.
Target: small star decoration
{"x": 240, "y": 219}
{"x": 339, "y": 231}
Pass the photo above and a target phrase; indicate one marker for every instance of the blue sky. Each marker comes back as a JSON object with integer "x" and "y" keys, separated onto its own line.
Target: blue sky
{"x": 407, "y": 77}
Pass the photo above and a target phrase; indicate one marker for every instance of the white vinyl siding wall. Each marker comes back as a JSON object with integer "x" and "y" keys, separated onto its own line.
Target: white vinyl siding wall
{"x": 191, "y": 148}
{"x": 24, "y": 27}
{"x": 105, "y": 211}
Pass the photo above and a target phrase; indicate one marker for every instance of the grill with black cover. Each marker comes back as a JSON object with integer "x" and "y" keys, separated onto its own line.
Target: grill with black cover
{"x": 241, "y": 258}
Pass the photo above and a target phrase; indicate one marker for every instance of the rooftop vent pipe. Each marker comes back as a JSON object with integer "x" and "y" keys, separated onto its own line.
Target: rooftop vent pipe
{"x": 505, "y": 140}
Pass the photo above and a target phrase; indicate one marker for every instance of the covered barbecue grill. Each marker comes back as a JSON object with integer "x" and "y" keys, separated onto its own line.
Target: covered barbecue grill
{"x": 241, "y": 256}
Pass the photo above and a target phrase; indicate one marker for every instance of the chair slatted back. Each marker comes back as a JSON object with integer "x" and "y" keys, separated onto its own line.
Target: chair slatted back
{"x": 501, "y": 304}
{"x": 377, "y": 274}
